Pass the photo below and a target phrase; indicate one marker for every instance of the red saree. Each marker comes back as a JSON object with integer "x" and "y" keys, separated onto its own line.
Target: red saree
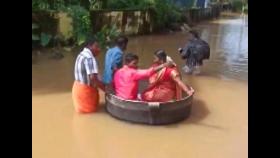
{"x": 162, "y": 87}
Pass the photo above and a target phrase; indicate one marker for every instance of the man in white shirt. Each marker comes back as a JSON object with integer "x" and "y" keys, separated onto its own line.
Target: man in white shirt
{"x": 85, "y": 89}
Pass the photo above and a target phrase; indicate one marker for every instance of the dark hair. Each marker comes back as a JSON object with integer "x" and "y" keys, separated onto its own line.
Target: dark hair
{"x": 129, "y": 57}
{"x": 194, "y": 33}
{"x": 90, "y": 42}
{"x": 161, "y": 55}
{"x": 121, "y": 40}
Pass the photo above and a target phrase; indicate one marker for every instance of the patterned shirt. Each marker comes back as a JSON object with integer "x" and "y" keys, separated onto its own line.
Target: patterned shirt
{"x": 85, "y": 65}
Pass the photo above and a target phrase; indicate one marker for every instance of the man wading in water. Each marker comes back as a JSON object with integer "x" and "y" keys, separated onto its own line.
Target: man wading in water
{"x": 194, "y": 52}
{"x": 85, "y": 88}
{"x": 114, "y": 61}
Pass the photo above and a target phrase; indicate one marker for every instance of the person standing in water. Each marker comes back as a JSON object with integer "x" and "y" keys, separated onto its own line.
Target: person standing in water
{"x": 85, "y": 88}
{"x": 114, "y": 61}
{"x": 194, "y": 52}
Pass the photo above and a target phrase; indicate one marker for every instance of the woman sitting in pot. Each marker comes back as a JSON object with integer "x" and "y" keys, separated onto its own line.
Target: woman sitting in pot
{"x": 166, "y": 84}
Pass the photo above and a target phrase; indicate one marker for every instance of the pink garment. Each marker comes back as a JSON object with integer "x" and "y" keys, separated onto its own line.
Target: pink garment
{"x": 126, "y": 81}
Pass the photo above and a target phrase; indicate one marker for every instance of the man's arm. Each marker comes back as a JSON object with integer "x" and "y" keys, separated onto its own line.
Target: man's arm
{"x": 118, "y": 61}
{"x": 185, "y": 51}
{"x": 146, "y": 73}
{"x": 92, "y": 71}
{"x": 143, "y": 74}
{"x": 96, "y": 82}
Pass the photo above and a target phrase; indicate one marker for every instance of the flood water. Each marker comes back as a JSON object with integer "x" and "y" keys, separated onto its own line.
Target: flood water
{"x": 217, "y": 127}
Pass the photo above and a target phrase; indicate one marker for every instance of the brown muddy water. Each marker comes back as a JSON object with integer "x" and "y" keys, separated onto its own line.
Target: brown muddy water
{"x": 217, "y": 127}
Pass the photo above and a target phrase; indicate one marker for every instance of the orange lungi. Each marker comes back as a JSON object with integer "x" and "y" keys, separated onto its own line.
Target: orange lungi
{"x": 85, "y": 98}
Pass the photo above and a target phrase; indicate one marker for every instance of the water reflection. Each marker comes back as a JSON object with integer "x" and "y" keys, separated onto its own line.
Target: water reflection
{"x": 229, "y": 48}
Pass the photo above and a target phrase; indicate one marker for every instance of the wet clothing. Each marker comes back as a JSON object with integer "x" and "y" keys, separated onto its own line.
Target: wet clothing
{"x": 195, "y": 52}
{"x": 85, "y": 95}
{"x": 85, "y": 98}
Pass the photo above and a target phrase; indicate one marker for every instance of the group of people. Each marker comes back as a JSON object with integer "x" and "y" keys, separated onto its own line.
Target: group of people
{"x": 121, "y": 76}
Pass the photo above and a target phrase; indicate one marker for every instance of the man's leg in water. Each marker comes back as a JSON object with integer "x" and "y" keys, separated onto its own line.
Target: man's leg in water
{"x": 187, "y": 69}
{"x": 196, "y": 70}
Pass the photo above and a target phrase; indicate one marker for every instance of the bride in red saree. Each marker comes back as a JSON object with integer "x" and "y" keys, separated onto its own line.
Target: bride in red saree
{"x": 166, "y": 85}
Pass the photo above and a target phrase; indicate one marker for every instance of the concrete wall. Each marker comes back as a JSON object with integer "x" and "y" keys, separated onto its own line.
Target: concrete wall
{"x": 129, "y": 22}
{"x": 54, "y": 23}
{"x": 200, "y": 14}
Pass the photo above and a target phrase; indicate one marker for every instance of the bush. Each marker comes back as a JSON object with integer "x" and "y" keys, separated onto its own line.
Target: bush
{"x": 106, "y": 35}
{"x": 42, "y": 38}
{"x": 165, "y": 13}
{"x": 245, "y": 9}
{"x": 128, "y": 4}
{"x": 39, "y": 5}
{"x": 81, "y": 23}
{"x": 237, "y": 5}
{"x": 44, "y": 28}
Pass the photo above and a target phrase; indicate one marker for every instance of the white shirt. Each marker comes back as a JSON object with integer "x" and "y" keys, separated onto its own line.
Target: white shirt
{"x": 85, "y": 65}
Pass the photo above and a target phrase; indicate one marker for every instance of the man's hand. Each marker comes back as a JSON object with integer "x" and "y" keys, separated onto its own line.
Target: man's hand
{"x": 190, "y": 91}
{"x": 180, "y": 50}
{"x": 169, "y": 64}
{"x": 95, "y": 81}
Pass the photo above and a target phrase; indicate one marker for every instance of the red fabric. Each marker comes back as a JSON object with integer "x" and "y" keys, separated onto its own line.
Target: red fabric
{"x": 162, "y": 87}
